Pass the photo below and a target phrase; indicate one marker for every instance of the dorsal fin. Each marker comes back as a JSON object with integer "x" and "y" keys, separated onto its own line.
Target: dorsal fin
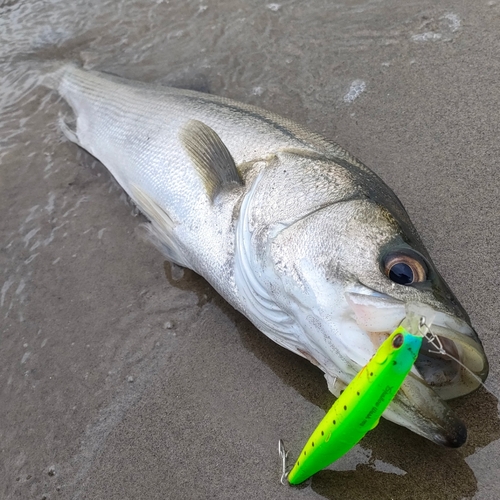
{"x": 210, "y": 156}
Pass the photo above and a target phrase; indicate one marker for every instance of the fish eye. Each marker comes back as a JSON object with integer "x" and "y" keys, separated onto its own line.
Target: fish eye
{"x": 405, "y": 269}
{"x": 397, "y": 341}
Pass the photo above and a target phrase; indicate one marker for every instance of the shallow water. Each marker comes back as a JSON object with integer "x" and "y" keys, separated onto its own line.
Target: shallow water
{"x": 118, "y": 381}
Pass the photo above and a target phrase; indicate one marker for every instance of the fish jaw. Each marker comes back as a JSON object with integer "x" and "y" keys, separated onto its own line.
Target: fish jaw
{"x": 417, "y": 406}
{"x": 420, "y": 404}
{"x": 456, "y": 373}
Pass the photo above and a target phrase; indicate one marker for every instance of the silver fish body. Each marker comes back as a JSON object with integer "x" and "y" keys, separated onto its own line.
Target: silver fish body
{"x": 288, "y": 227}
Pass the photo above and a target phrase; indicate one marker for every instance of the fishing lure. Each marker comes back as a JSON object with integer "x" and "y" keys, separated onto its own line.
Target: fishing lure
{"x": 359, "y": 408}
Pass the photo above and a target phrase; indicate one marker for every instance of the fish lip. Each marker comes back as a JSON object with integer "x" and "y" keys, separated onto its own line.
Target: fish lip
{"x": 455, "y": 440}
{"x": 419, "y": 408}
{"x": 460, "y": 342}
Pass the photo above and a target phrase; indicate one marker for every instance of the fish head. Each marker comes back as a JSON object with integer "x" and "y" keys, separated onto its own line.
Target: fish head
{"x": 355, "y": 270}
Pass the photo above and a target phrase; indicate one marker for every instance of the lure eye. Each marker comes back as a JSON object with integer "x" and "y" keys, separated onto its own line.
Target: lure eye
{"x": 405, "y": 269}
{"x": 397, "y": 341}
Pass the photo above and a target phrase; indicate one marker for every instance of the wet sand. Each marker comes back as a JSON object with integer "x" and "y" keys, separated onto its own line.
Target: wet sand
{"x": 118, "y": 382}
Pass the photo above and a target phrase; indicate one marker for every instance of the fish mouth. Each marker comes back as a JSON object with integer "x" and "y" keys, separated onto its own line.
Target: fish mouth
{"x": 457, "y": 367}
{"x": 462, "y": 365}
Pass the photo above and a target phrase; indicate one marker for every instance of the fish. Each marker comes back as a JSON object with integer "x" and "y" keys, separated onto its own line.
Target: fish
{"x": 291, "y": 229}
{"x": 360, "y": 406}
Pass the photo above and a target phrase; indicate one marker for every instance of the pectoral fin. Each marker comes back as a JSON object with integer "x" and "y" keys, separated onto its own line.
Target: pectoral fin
{"x": 210, "y": 156}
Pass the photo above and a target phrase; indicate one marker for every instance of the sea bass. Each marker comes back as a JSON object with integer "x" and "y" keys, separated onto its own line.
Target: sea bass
{"x": 288, "y": 227}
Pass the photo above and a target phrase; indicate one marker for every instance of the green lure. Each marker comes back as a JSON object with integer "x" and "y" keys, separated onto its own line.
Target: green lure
{"x": 359, "y": 407}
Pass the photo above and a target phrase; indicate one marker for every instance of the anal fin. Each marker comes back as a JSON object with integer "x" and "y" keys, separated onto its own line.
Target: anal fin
{"x": 160, "y": 231}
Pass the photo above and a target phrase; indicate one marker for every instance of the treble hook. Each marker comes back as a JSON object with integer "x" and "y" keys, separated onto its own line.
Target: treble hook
{"x": 434, "y": 340}
{"x": 283, "y": 455}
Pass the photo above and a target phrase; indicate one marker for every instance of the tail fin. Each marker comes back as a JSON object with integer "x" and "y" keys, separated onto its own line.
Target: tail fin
{"x": 28, "y": 74}
{"x": 53, "y": 75}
